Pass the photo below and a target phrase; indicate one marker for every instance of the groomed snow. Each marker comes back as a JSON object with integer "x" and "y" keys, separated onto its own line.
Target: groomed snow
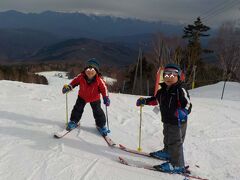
{"x": 31, "y": 113}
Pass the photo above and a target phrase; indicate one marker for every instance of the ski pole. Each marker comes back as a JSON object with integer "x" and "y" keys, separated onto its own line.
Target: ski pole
{"x": 66, "y": 109}
{"x": 140, "y": 130}
{"x": 107, "y": 120}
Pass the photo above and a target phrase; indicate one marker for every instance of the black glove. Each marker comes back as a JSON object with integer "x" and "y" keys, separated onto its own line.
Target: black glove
{"x": 106, "y": 101}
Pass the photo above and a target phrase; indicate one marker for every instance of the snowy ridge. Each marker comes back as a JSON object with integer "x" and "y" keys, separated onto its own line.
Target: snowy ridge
{"x": 31, "y": 113}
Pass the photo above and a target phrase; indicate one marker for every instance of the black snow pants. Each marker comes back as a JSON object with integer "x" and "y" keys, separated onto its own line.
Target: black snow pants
{"x": 98, "y": 113}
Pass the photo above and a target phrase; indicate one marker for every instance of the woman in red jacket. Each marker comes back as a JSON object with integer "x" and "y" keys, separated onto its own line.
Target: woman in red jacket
{"x": 90, "y": 84}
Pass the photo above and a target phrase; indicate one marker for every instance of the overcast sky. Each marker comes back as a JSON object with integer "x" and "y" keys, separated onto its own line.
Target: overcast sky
{"x": 214, "y": 12}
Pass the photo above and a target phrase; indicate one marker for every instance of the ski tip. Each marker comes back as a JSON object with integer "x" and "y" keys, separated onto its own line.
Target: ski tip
{"x": 197, "y": 166}
{"x": 109, "y": 141}
{"x": 113, "y": 144}
{"x": 122, "y": 160}
{"x": 122, "y": 146}
{"x": 55, "y": 136}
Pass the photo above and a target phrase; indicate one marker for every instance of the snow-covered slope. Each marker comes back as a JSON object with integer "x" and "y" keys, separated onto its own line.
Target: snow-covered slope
{"x": 30, "y": 114}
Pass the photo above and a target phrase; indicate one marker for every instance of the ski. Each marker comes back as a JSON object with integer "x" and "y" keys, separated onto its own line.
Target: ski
{"x": 108, "y": 140}
{"x": 150, "y": 167}
{"x": 122, "y": 147}
{"x": 62, "y": 133}
{"x": 123, "y": 161}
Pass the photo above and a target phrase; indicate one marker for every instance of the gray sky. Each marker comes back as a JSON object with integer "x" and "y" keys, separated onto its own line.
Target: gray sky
{"x": 184, "y": 11}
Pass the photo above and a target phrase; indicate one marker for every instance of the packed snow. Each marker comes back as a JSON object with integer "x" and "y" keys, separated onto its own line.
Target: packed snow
{"x": 31, "y": 113}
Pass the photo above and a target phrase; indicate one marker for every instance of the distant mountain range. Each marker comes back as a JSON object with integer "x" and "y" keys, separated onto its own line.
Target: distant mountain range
{"x": 37, "y": 35}
{"x": 20, "y": 43}
{"x": 75, "y": 25}
{"x": 83, "y": 49}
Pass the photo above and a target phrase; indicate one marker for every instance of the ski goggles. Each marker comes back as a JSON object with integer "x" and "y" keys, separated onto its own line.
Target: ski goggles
{"x": 90, "y": 68}
{"x": 170, "y": 73}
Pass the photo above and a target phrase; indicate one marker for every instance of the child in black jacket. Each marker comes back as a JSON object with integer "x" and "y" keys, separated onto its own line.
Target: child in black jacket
{"x": 175, "y": 105}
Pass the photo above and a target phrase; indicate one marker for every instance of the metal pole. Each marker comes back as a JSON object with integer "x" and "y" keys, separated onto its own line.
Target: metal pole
{"x": 160, "y": 55}
{"x": 147, "y": 87}
{"x": 140, "y": 130}
{"x": 136, "y": 71}
{"x": 223, "y": 89}
{"x": 66, "y": 109}
{"x": 194, "y": 76}
{"x": 107, "y": 120}
{"x": 141, "y": 84}
{"x": 123, "y": 88}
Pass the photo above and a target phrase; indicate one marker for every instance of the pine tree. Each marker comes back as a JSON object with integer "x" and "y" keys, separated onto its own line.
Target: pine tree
{"x": 194, "y": 32}
{"x": 193, "y": 51}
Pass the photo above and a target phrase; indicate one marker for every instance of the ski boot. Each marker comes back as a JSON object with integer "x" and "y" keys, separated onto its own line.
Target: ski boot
{"x": 103, "y": 131}
{"x": 71, "y": 125}
{"x": 161, "y": 154}
{"x": 169, "y": 168}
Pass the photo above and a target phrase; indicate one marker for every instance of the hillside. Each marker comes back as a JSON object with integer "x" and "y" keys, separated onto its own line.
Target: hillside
{"x": 30, "y": 114}
{"x": 21, "y": 43}
{"x": 83, "y": 49}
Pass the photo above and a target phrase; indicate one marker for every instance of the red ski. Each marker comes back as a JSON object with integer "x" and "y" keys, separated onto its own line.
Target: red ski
{"x": 108, "y": 140}
{"x": 138, "y": 152}
{"x": 150, "y": 167}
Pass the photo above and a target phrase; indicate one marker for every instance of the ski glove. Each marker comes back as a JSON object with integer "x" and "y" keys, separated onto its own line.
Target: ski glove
{"x": 106, "y": 100}
{"x": 66, "y": 88}
{"x": 141, "y": 102}
{"x": 181, "y": 114}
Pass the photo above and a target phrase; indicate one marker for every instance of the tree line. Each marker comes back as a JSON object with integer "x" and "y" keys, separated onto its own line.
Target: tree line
{"x": 219, "y": 60}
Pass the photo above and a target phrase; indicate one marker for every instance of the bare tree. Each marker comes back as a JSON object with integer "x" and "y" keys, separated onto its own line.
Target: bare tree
{"x": 158, "y": 49}
{"x": 164, "y": 49}
{"x": 227, "y": 49}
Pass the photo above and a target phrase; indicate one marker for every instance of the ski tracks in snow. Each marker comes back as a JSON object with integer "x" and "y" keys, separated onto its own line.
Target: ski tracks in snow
{"x": 89, "y": 169}
{"x": 42, "y": 167}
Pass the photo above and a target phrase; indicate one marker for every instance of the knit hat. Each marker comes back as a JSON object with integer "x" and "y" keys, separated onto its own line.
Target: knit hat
{"x": 93, "y": 63}
{"x": 175, "y": 67}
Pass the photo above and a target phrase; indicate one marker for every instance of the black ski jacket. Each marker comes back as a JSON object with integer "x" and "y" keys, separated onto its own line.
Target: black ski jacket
{"x": 169, "y": 99}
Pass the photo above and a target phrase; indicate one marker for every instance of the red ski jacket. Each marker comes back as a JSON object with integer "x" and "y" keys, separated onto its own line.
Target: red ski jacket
{"x": 89, "y": 91}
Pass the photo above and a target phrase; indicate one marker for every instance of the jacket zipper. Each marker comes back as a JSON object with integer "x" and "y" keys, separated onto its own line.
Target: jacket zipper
{"x": 170, "y": 102}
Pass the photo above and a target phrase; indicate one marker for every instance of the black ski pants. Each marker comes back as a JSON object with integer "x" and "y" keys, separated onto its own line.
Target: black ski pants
{"x": 98, "y": 113}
